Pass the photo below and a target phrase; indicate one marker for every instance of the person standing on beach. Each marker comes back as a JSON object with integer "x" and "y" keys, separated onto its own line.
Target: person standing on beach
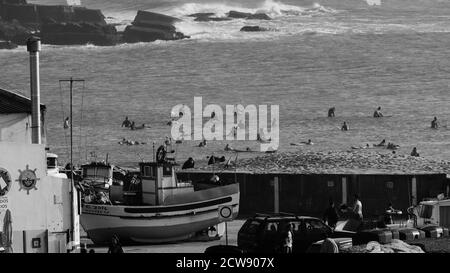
{"x": 66, "y": 123}
{"x": 115, "y": 246}
{"x": 345, "y": 127}
{"x": 330, "y": 215}
{"x": 434, "y": 123}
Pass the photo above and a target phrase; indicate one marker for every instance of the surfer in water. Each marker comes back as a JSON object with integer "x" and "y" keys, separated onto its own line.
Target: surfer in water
{"x": 331, "y": 112}
{"x": 392, "y": 146}
{"x": 377, "y": 113}
{"x": 126, "y": 123}
{"x": 309, "y": 142}
{"x": 434, "y": 123}
{"x": 382, "y": 143}
{"x": 345, "y": 127}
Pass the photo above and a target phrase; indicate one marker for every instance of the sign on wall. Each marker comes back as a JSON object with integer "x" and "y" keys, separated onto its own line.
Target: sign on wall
{"x": 27, "y": 179}
{"x": 5, "y": 182}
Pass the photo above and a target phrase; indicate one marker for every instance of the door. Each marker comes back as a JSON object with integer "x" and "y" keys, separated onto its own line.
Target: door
{"x": 444, "y": 215}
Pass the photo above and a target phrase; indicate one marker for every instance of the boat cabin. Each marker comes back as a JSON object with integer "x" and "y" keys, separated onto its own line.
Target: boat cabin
{"x": 98, "y": 174}
{"x": 160, "y": 184}
{"x": 52, "y": 166}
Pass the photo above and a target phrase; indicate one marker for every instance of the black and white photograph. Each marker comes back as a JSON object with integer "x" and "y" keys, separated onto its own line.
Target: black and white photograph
{"x": 255, "y": 129}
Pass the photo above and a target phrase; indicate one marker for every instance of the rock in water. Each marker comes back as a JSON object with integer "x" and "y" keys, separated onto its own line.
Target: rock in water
{"x": 246, "y": 15}
{"x": 252, "y": 28}
{"x": 238, "y": 14}
{"x": 78, "y": 34}
{"x": 149, "y": 26}
{"x": 259, "y": 16}
{"x": 14, "y": 32}
{"x": 56, "y": 24}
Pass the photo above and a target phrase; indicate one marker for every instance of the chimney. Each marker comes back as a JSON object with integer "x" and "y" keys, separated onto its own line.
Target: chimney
{"x": 34, "y": 46}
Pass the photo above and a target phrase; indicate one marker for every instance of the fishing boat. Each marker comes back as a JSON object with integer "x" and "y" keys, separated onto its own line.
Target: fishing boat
{"x": 149, "y": 205}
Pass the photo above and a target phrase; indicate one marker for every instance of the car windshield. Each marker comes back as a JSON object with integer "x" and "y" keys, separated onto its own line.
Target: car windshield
{"x": 253, "y": 227}
{"x": 316, "y": 225}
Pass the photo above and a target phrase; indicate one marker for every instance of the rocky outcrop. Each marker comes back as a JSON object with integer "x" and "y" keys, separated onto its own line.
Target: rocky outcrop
{"x": 149, "y": 26}
{"x": 14, "y": 32}
{"x": 56, "y": 24}
{"x": 207, "y": 17}
{"x": 68, "y": 25}
{"x": 78, "y": 34}
{"x": 249, "y": 16}
{"x": 253, "y": 28}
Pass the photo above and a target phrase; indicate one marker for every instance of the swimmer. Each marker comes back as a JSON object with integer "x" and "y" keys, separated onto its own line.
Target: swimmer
{"x": 309, "y": 142}
{"x": 414, "y": 152}
{"x": 202, "y": 144}
{"x": 345, "y": 127}
{"x": 228, "y": 148}
{"x": 331, "y": 112}
{"x": 392, "y": 146}
{"x": 168, "y": 141}
{"x": 126, "y": 123}
{"x": 377, "y": 113}
{"x": 434, "y": 123}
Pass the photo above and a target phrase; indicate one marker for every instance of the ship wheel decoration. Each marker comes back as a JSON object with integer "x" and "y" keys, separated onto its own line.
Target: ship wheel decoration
{"x": 27, "y": 179}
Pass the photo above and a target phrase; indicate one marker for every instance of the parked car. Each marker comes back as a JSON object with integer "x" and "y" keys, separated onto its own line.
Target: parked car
{"x": 223, "y": 249}
{"x": 264, "y": 232}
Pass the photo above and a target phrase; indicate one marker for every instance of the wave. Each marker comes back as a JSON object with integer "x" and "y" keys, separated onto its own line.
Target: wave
{"x": 269, "y": 7}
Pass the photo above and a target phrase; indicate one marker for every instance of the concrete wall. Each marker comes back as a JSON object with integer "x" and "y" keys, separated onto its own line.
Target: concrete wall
{"x": 43, "y": 212}
{"x": 309, "y": 194}
{"x": 16, "y": 128}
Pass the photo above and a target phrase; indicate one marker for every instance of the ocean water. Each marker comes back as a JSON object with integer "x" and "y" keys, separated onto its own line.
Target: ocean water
{"x": 354, "y": 55}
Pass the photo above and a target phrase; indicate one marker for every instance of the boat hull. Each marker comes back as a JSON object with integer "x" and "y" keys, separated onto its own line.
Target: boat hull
{"x": 158, "y": 224}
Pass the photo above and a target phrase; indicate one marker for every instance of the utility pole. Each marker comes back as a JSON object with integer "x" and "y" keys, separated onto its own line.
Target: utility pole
{"x": 71, "y": 81}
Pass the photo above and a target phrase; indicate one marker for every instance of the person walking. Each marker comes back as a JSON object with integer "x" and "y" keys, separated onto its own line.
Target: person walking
{"x": 288, "y": 239}
{"x": 330, "y": 216}
{"x": 357, "y": 208}
{"x": 115, "y": 246}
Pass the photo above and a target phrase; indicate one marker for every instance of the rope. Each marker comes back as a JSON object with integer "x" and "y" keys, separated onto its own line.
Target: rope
{"x": 64, "y": 117}
{"x": 81, "y": 121}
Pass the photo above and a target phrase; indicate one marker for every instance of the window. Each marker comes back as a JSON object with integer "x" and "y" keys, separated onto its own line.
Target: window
{"x": 253, "y": 227}
{"x": 148, "y": 171}
{"x": 271, "y": 226}
{"x": 316, "y": 225}
{"x": 51, "y": 162}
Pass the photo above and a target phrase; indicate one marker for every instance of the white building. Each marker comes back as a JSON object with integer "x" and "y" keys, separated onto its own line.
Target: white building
{"x": 38, "y": 212}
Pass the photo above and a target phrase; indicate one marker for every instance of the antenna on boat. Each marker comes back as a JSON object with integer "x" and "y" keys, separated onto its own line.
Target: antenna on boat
{"x": 142, "y": 159}
{"x": 153, "y": 151}
{"x": 71, "y": 81}
{"x": 235, "y": 167}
